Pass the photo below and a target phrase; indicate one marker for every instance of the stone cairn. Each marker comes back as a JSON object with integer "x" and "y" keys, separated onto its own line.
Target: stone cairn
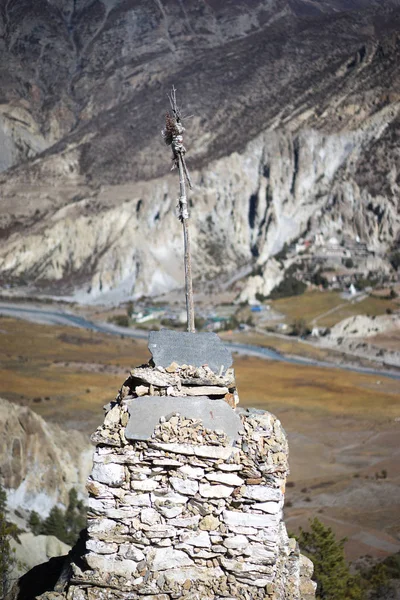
{"x": 187, "y": 490}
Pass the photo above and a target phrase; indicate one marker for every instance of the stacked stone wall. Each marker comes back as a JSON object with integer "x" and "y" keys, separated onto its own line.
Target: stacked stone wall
{"x": 189, "y": 512}
{"x": 186, "y": 493}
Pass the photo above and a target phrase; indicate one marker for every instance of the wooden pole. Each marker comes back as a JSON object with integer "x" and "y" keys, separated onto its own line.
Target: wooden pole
{"x": 184, "y": 217}
{"x": 173, "y": 137}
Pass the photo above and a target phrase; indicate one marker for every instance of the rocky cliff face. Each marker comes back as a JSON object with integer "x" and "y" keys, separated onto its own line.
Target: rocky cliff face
{"x": 296, "y": 109}
{"x": 39, "y": 463}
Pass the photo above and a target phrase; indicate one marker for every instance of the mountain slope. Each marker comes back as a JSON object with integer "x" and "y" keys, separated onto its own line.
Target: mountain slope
{"x": 296, "y": 109}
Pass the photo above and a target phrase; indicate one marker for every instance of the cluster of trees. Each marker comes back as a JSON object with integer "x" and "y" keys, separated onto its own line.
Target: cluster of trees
{"x": 335, "y": 581}
{"x": 63, "y": 524}
{"x": 290, "y": 286}
{"x": 7, "y": 559}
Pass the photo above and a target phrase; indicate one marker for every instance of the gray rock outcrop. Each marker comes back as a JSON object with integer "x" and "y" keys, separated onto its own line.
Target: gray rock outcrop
{"x": 39, "y": 462}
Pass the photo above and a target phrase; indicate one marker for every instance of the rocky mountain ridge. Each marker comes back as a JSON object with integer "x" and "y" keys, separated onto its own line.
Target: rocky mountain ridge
{"x": 39, "y": 462}
{"x": 296, "y": 113}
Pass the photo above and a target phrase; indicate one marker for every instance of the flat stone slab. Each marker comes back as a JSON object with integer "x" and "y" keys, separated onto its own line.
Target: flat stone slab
{"x": 184, "y": 348}
{"x": 145, "y": 413}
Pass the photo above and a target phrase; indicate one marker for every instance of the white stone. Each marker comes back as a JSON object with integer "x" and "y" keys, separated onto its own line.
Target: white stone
{"x": 127, "y": 458}
{"x": 268, "y": 537}
{"x": 169, "y": 512}
{"x": 249, "y": 520}
{"x": 101, "y": 506}
{"x": 185, "y": 521}
{"x": 145, "y": 485}
{"x": 215, "y": 491}
{"x": 198, "y": 552}
{"x": 223, "y": 452}
{"x": 167, "y": 558}
{"x": 262, "y": 493}
{"x": 142, "y": 390}
{"x": 77, "y": 593}
{"x": 111, "y": 474}
{"x": 149, "y": 516}
{"x": 137, "y": 499}
{"x": 105, "y": 527}
{"x": 104, "y": 450}
{"x": 184, "y": 486}
{"x": 111, "y": 564}
{"x": 204, "y": 390}
{"x": 273, "y": 508}
{"x": 99, "y": 490}
{"x": 192, "y": 472}
{"x": 160, "y": 531}
{"x": 125, "y": 512}
{"x": 160, "y": 498}
{"x": 163, "y": 542}
{"x": 258, "y": 553}
{"x": 140, "y": 470}
{"x": 238, "y": 567}
{"x": 257, "y": 581}
{"x": 131, "y": 552}
{"x": 236, "y": 542}
{"x": 240, "y": 530}
{"x": 205, "y": 575}
{"x": 225, "y": 478}
{"x": 199, "y": 539}
{"x": 112, "y": 418}
{"x": 229, "y": 468}
{"x": 101, "y": 547}
{"x": 166, "y": 462}
{"x": 218, "y": 548}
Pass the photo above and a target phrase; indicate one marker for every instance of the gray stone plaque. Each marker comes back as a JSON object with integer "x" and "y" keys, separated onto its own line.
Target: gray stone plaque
{"x": 145, "y": 413}
{"x": 184, "y": 348}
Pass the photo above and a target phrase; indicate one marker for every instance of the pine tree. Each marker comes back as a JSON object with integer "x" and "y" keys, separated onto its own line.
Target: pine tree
{"x": 331, "y": 572}
{"x": 65, "y": 525}
{"x": 75, "y": 517}
{"x": 55, "y": 524}
{"x": 7, "y": 559}
{"x": 35, "y": 523}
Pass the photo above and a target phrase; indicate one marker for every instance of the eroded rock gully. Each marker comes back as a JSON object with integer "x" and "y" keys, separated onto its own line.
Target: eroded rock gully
{"x": 187, "y": 510}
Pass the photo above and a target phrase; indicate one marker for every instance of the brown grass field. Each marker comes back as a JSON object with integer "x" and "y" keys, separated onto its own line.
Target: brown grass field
{"x": 312, "y": 304}
{"x": 343, "y": 427}
{"x": 283, "y": 344}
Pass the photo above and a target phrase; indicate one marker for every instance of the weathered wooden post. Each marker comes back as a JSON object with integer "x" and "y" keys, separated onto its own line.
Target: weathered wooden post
{"x": 173, "y": 137}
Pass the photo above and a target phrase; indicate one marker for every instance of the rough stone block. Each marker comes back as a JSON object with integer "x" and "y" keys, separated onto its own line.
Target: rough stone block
{"x": 249, "y": 520}
{"x": 196, "y": 349}
{"x": 167, "y": 558}
{"x": 145, "y": 413}
{"x": 111, "y": 474}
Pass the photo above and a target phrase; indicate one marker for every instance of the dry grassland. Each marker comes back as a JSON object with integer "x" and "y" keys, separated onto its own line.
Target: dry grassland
{"x": 311, "y": 305}
{"x": 282, "y": 344}
{"x": 65, "y": 374}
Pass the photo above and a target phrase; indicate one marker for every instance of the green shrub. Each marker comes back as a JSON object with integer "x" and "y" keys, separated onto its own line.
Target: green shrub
{"x": 64, "y": 525}
{"x": 348, "y": 263}
{"x": 7, "y": 559}
{"x": 120, "y": 320}
{"x": 331, "y": 572}
{"x": 290, "y": 286}
{"x": 300, "y": 328}
{"x": 394, "y": 259}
